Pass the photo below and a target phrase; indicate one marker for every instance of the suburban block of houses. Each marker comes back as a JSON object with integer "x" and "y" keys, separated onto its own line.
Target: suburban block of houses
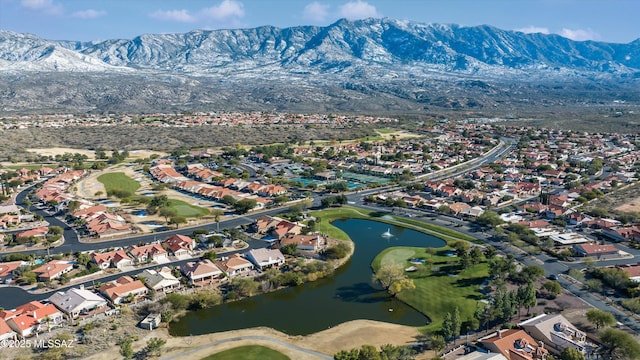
{"x": 28, "y": 319}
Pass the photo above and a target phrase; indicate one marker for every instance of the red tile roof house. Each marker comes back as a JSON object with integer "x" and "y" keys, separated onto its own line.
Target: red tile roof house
{"x": 632, "y": 270}
{"x": 515, "y": 345}
{"x": 312, "y": 242}
{"x": 30, "y": 318}
{"x": 118, "y": 290}
{"x": 52, "y": 270}
{"x": 179, "y": 245}
{"x": 234, "y": 265}
{"x": 286, "y": 227}
{"x": 7, "y": 268}
{"x": 596, "y": 250}
{"x": 623, "y": 233}
{"x": 6, "y": 333}
{"x": 201, "y": 271}
{"x": 117, "y": 259}
{"x": 40, "y": 232}
{"x": 153, "y": 252}
{"x": 266, "y": 223}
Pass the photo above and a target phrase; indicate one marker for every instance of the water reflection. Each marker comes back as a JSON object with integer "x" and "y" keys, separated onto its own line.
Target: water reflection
{"x": 348, "y": 294}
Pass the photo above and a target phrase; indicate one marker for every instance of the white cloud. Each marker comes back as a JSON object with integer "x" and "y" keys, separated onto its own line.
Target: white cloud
{"x": 580, "y": 34}
{"x": 358, "y": 10}
{"x": 227, "y": 9}
{"x": 47, "y": 6}
{"x": 534, "y": 30}
{"x": 89, "y": 14}
{"x": 316, "y": 12}
{"x": 173, "y": 15}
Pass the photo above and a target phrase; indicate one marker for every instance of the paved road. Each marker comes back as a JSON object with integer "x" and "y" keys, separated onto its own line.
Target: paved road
{"x": 73, "y": 244}
{"x": 551, "y": 265}
{"x": 251, "y": 337}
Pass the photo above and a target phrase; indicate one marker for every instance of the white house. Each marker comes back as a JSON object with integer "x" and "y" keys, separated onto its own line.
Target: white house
{"x": 162, "y": 280}
{"x": 265, "y": 258}
{"x": 75, "y": 302}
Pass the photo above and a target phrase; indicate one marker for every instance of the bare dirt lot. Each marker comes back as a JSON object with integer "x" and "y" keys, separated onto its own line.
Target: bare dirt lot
{"x": 631, "y": 206}
{"x": 133, "y": 154}
{"x": 344, "y": 336}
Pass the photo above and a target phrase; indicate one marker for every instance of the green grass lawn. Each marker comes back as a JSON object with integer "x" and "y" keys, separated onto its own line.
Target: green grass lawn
{"x": 250, "y": 352}
{"x": 386, "y": 131}
{"x": 186, "y": 209}
{"x": 440, "y": 285}
{"x": 118, "y": 181}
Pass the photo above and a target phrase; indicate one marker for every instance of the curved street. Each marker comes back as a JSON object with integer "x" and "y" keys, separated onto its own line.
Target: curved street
{"x": 14, "y": 296}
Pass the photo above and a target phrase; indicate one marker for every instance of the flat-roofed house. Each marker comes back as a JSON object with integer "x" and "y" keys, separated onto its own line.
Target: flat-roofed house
{"x": 265, "y": 258}
{"x": 77, "y": 301}
{"x": 557, "y": 333}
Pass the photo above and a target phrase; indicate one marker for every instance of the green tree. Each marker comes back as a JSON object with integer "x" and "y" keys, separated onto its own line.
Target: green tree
{"x": 243, "y": 206}
{"x": 289, "y": 249}
{"x": 620, "y": 344}
{"x": 351, "y": 354}
{"x": 393, "y": 278}
{"x": 437, "y": 343}
{"x": 55, "y": 230}
{"x": 217, "y": 213}
{"x": 600, "y": 318}
{"x": 368, "y": 352}
{"x": 126, "y": 348}
{"x": 167, "y": 213}
{"x": 177, "y": 220}
{"x": 570, "y": 353}
{"x": 154, "y": 346}
{"x": 209, "y": 255}
{"x": 244, "y": 286}
{"x": 552, "y": 288}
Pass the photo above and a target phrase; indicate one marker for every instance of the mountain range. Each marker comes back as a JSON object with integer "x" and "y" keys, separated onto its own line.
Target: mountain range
{"x": 404, "y": 66}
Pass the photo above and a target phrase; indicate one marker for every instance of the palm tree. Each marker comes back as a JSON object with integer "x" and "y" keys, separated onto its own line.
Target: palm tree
{"x": 216, "y": 216}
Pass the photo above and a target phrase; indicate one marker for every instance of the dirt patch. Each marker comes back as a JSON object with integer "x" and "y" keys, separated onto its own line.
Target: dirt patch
{"x": 342, "y": 337}
{"x": 631, "y": 206}
{"x": 61, "y": 151}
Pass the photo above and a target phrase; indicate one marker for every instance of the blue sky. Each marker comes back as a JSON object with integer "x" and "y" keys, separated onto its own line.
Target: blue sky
{"x": 602, "y": 20}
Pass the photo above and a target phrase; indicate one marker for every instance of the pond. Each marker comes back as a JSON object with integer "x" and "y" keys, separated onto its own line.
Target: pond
{"x": 348, "y": 294}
